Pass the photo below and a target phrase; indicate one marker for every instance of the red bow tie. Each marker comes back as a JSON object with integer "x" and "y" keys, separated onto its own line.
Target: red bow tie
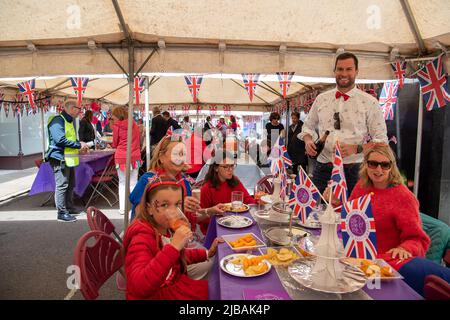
{"x": 340, "y": 94}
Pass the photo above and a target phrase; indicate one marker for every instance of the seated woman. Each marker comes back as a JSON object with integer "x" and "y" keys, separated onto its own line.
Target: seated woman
{"x": 156, "y": 259}
{"x": 400, "y": 238}
{"x": 220, "y": 182}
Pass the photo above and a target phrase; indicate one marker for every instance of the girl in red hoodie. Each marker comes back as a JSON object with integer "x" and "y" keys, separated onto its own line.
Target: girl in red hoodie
{"x": 120, "y": 129}
{"x": 155, "y": 256}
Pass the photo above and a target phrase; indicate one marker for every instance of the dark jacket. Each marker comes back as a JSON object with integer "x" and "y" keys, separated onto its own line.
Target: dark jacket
{"x": 172, "y": 123}
{"x": 86, "y": 132}
{"x": 57, "y": 137}
{"x": 158, "y": 129}
{"x": 296, "y": 147}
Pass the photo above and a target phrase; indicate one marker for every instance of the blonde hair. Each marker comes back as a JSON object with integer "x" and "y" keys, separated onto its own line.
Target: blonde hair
{"x": 120, "y": 113}
{"x": 159, "y": 150}
{"x": 395, "y": 178}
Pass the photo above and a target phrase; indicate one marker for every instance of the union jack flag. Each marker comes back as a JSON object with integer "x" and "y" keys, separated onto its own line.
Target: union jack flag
{"x": 279, "y": 157}
{"x": 172, "y": 111}
{"x": 17, "y": 107}
{"x": 79, "y": 86}
{"x": 2, "y": 97}
{"x": 285, "y": 81}
{"x": 358, "y": 228}
{"x": 138, "y": 88}
{"x": 186, "y": 109}
{"x": 227, "y": 110}
{"x": 189, "y": 179}
{"x": 212, "y": 109}
{"x": 388, "y": 99}
{"x": 339, "y": 186}
{"x": 399, "y": 68}
{"x": 433, "y": 84}
{"x": 250, "y": 83}
{"x": 193, "y": 83}
{"x": 6, "y": 107}
{"x": 27, "y": 89}
{"x": 304, "y": 196}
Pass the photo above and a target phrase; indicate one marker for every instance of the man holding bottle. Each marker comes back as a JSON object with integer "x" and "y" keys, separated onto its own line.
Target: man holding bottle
{"x": 350, "y": 115}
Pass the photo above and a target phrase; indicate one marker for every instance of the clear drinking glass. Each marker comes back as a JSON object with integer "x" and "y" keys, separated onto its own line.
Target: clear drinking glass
{"x": 237, "y": 199}
{"x": 176, "y": 220}
{"x": 196, "y": 194}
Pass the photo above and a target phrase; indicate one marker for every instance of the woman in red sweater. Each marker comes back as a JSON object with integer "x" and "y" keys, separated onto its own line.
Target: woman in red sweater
{"x": 155, "y": 255}
{"x": 400, "y": 238}
{"x": 120, "y": 129}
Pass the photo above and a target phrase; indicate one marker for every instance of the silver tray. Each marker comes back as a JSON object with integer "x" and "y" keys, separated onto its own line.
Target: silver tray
{"x": 279, "y": 235}
{"x": 312, "y": 222}
{"x": 352, "y": 278}
{"x": 235, "y": 270}
{"x": 308, "y": 245}
{"x": 235, "y": 222}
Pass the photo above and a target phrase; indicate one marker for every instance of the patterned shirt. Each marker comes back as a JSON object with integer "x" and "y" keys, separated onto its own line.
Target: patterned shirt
{"x": 360, "y": 116}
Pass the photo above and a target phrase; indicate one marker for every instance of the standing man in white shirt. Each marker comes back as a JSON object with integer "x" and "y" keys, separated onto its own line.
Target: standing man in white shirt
{"x": 350, "y": 115}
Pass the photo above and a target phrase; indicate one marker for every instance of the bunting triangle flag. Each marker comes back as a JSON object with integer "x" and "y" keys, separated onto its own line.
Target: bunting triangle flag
{"x": 79, "y": 86}
{"x": 6, "y": 107}
{"x": 193, "y": 83}
{"x": 388, "y": 99}
{"x": 27, "y": 89}
{"x": 285, "y": 79}
{"x": 138, "y": 88}
{"x": 250, "y": 83}
{"x": 399, "y": 68}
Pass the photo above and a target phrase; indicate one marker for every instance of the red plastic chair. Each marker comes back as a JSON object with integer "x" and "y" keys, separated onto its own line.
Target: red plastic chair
{"x": 266, "y": 184}
{"x": 436, "y": 288}
{"x": 98, "y": 262}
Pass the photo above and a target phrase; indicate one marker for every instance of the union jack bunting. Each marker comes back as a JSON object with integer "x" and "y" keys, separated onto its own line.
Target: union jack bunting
{"x": 304, "y": 196}
{"x": 18, "y": 102}
{"x": 186, "y": 109}
{"x": 250, "y": 82}
{"x": 399, "y": 68}
{"x": 2, "y": 97}
{"x": 433, "y": 84}
{"x": 339, "y": 186}
{"x": 6, "y": 107}
{"x": 138, "y": 88}
{"x": 27, "y": 89}
{"x": 193, "y": 83}
{"x": 358, "y": 229}
{"x": 388, "y": 99}
{"x": 279, "y": 157}
{"x": 79, "y": 86}
{"x": 285, "y": 81}
{"x": 172, "y": 111}
{"x": 212, "y": 109}
{"x": 227, "y": 110}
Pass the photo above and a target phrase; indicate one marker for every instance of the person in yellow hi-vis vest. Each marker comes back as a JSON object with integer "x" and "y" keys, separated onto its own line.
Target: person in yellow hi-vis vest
{"x": 62, "y": 154}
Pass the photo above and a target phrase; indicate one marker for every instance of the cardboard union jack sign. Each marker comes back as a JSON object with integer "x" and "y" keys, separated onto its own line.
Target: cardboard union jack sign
{"x": 358, "y": 229}
{"x": 388, "y": 99}
{"x": 304, "y": 196}
{"x": 433, "y": 84}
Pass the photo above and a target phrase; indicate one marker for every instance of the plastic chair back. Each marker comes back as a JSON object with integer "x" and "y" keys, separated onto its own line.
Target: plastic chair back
{"x": 436, "y": 288}
{"x": 267, "y": 186}
{"x": 98, "y": 221}
{"x": 98, "y": 262}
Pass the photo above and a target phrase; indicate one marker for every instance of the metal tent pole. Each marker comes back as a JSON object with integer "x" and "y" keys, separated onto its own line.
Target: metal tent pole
{"x": 418, "y": 146}
{"x": 129, "y": 131}
{"x": 397, "y": 133}
{"x": 147, "y": 123}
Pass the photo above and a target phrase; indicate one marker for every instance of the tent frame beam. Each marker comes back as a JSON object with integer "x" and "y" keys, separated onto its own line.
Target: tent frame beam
{"x": 413, "y": 26}
{"x": 117, "y": 62}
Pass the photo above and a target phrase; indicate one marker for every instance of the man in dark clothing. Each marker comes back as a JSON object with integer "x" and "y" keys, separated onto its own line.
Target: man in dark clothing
{"x": 296, "y": 147}
{"x": 62, "y": 153}
{"x": 158, "y": 128}
{"x": 170, "y": 122}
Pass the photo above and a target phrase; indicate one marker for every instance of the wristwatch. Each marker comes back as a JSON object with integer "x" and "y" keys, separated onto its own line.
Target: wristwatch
{"x": 359, "y": 148}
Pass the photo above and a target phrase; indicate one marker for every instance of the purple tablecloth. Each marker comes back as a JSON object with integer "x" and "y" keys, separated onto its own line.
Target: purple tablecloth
{"x": 223, "y": 286}
{"x": 89, "y": 164}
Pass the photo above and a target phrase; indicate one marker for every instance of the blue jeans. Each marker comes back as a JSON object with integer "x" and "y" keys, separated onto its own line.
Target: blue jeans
{"x": 416, "y": 270}
{"x": 322, "y": 174}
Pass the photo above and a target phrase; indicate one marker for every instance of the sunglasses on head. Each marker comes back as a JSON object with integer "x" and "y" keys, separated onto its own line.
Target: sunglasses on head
{"x": 385, "y": 165}
{"x": 337, "y": 121}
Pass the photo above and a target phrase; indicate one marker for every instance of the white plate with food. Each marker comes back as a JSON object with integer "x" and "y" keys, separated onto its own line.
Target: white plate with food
{"x": 281, "y": 256}
{"x": 377, "y": 268}
{"x": 245, "y": 265}
{"x": 227, "y": 207}
{"x": 235, "y": 222}
{"x": 267, "y": 199}
{"x": 243, "y": 241}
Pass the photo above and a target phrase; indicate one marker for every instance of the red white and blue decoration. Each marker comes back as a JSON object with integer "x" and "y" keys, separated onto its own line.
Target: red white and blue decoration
{"x": 193, "y": 83}
{"x": 304, "y": 196}
{"x": 358, "y": 229}
{"x": 388, "y": 99}
{"x": 285, "y": 79}
{"x": 227, "y": 110}
{"x": 27, "y": 89}
{"x": 399, "y": 68}
{"x": 279, "y": 157}
{"x": 138, "y": 87}
{"x": 212, "y": 109}
{"x": 433, "y": 84}
{"x": 79, "y": 86}
{"x": 339, "y": 186}
{"x": 186, "y": 109}
{"x": 250, "y": 83}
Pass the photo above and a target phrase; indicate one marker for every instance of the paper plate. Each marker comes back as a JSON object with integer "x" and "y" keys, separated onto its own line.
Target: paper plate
{"x": 235, "y": 222}
{"x": 237, "y": 270}
{"x": 229, "y": 208}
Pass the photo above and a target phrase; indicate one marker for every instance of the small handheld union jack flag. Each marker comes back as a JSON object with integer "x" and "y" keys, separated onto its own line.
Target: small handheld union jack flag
{"x": 79, "y": 86}
{"x": 285, "y": 81}
{"x": 138, "y": 88}
{"x": 339, "y": 187}
{"x": 189, "y": 179}
{"x": 388, "y": 99}
{"x": 358, "y": 228}
{"x": 304, "y": 196}
{"x": 27, "y": 89}
{"x": 193, "y": 83}
{"x": 399, "y": 68}
{"x": 279, "y": 157}
{"x": 433, "y": 84}
{"x": 250, "y": 83}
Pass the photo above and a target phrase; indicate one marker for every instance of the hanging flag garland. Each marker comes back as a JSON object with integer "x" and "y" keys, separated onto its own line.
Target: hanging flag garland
{"x": 193, "y": 83}
{"x": 388, "y": 99}
{"x": 399, "y": 68}
{"x": 285, "y": 79}
{"x": 250, "y": 83}
{"x": 227, "y": 110}
{"x": 27, "y": 89}
{"x": 186, "y": 109}
{"x": 138, "y": 88}
{"x": 433, "y": 84}
{"x": 2, "y": 97}
{"x": 212, "y": 110}
{"x": 79, "y": 86}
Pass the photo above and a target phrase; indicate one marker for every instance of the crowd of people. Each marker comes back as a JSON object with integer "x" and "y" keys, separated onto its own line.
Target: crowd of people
{"x": 159, "y": 261}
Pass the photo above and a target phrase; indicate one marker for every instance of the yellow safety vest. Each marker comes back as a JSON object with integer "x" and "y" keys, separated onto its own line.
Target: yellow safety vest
{"x": 70, "y": 154}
